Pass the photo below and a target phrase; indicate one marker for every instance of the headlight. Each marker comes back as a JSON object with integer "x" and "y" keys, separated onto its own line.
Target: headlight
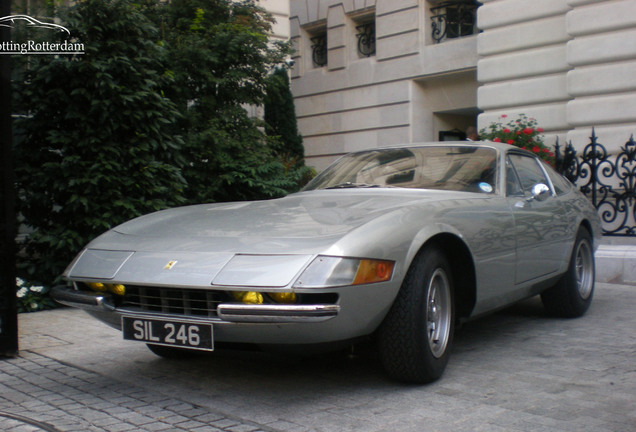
{"x": 326, "y": 271}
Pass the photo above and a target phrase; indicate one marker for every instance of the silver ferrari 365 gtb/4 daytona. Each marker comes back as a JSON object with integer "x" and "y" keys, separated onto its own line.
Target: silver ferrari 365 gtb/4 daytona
{"x": 396, "y": 243}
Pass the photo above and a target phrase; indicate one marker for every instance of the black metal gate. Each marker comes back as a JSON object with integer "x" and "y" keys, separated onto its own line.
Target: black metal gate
{"x": 608, "y": 180}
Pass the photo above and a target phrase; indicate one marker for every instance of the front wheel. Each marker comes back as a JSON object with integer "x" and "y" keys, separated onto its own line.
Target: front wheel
{"x": 572, "y": 295}
{"x": 416, "y": 336}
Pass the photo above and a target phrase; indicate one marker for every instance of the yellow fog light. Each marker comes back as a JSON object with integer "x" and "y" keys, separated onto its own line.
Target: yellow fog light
{"x": 249, "y": 297}
{"x": 283, "y": 297}
{"x": 118, "y": 289}
{"x": 96, "y": 286}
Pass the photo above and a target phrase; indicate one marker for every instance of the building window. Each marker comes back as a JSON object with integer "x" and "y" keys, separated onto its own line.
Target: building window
{"x": 319, "y": 49}
{"x": 452, "y": 135}
{"x": 453, "y": 19}
{"x": 366, "y": 39}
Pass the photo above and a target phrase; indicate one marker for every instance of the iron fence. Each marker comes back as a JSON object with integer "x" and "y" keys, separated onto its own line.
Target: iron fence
{"x": 608, "y": 180}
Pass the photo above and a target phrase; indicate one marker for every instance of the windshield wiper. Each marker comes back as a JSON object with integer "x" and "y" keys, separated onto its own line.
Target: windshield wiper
{"x": 349, "y": 185}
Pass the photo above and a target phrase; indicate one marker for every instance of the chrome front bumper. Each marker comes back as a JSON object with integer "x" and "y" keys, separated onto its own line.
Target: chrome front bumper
{"x": 228, "y": 312}
{"x": 239, "y": 312}
{"x": 81, "y": 299}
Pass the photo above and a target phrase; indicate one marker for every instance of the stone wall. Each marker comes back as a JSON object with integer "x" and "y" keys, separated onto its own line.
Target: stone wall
{"x": 406, "y": 92}
{"x": 602, "y": 78}
{"x": 571, "y": 64}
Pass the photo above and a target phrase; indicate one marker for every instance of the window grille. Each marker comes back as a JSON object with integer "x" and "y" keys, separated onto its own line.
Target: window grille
{"x": 453, "y": 19}
{"x": 319, "y": 50}
{"x": 366, "y": 39}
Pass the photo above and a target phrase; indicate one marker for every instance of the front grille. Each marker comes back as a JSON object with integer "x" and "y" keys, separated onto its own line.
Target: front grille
{"x": 179, "y": 301}
{"x": 190, "y": 302}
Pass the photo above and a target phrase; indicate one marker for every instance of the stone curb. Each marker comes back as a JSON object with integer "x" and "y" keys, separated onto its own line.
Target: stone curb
{"x": 616, "y": 264}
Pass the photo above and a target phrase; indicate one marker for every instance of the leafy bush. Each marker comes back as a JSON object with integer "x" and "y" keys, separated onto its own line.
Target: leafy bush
{"x": 280, "y": 115}
{"x": 143, "y": 121}
{"x": 93, "y": 147}
{"x": 220, "y": 57}
{"x": 522, "y": 132}
{"x": 282, "y": 128}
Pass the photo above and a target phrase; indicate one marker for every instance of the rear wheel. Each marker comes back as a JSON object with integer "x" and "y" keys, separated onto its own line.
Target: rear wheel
{"x": 416, "y": 336}
{"x": 572, "y": 295}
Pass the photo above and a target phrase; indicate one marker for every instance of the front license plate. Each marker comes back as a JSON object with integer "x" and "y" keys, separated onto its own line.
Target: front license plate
{"x": 182, "y": 334}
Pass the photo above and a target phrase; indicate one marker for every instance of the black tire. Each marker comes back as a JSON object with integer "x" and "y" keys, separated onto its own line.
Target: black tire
{"x": 572, "y": 295}
{"x": 416, "y": 336}
{"x": 171, "y": 352}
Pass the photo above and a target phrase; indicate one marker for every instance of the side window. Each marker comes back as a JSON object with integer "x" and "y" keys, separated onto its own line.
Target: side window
{"x": 513, "y": 186}
{"x": 529, "y": 172}
{"x": 560, "y": 183}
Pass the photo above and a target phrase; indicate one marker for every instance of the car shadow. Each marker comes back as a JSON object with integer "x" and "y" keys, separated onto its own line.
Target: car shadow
{"x": 357, "y": 366}
{"x": 506, "y": 326}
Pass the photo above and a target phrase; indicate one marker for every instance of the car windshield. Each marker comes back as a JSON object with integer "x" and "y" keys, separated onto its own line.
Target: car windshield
{"x": 458, "y": 168}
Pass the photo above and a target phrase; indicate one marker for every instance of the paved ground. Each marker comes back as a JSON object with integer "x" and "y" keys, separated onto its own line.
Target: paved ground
{"x": 517, "y": 370}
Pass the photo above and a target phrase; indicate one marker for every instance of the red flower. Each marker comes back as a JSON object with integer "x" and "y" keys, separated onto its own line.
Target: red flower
{"x": 511, "y": 142}
{"x": 504, "y": 115}
{"x": 506, "y": 130}
{"x": 540, "y": 130}
{"x": 497, "y": 139}
{"x": 546, "y": 150}
{"x": 535, "y": 149}
{"x": 528, "y": 131}
{"x": 518, "y": 132}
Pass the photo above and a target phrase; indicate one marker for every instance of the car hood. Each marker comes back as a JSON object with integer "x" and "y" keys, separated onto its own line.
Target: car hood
{"x": 305, "y": 216}
{"x": 269, "y": 240}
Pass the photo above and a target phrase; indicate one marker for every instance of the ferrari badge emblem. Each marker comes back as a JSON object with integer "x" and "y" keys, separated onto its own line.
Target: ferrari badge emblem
{"x": 170, "y": 265}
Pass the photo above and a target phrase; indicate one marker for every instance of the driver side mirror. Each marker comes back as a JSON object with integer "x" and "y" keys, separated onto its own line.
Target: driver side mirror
{"x": 540, "y": 192}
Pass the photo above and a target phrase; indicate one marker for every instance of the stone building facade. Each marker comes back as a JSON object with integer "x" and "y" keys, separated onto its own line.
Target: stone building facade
{"x": 571, "y": 64}
{"x": 431, "y": 73}
{"x": 279, "y": 9}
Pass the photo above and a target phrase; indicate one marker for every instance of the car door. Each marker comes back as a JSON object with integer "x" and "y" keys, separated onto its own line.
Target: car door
{"x": 540, "y": 223}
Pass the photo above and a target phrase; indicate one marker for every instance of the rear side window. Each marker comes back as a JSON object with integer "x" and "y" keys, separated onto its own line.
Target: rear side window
{"x": 560, "y": 183}
{"x": 529, "y": 172}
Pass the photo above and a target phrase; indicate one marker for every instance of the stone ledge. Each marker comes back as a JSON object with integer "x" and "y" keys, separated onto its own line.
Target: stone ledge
{"x": 616, "y": 264}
